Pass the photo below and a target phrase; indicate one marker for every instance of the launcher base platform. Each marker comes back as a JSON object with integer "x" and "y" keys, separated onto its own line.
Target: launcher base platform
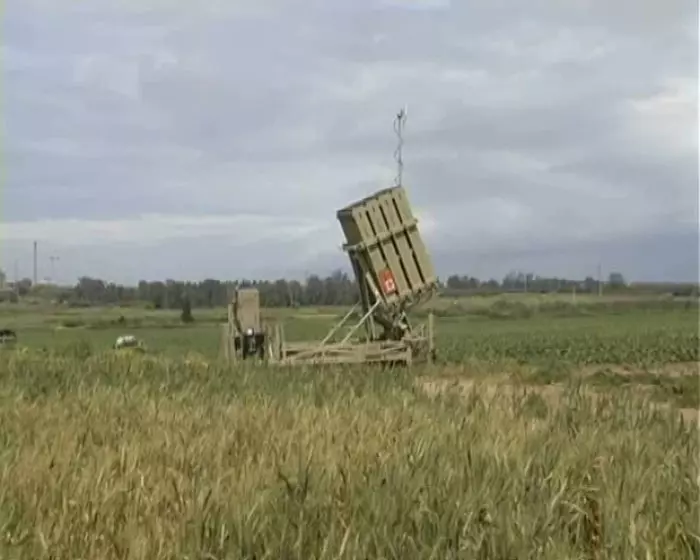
{"x": 418, "y": 347}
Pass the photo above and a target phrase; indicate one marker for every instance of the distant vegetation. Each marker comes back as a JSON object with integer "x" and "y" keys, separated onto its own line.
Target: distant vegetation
{"x": 336, "y": 289}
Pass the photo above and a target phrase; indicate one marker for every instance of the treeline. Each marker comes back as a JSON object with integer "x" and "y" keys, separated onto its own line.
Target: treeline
{"x": 524, "y": 282}
{"x": 336, "y": 289}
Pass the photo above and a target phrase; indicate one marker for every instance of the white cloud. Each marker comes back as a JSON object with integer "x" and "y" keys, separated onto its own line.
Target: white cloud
{"x": 120, "y": 75}
{"x": 151, "y": 229}
{"x": 417, "y": 4}
{"x": 543, "y": 45}
{"x": 668, "y": 120}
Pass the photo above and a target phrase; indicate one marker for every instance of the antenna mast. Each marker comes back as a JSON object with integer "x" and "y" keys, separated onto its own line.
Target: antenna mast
{"x": 399, "y": 124}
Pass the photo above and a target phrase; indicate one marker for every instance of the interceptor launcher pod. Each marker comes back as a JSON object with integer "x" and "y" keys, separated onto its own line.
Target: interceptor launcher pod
{"x": 389, "y": 260}
{"x": 394, "y": 274}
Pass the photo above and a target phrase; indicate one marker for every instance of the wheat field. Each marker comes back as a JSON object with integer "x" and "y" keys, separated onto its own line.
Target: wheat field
{"x": 141, "y": 457}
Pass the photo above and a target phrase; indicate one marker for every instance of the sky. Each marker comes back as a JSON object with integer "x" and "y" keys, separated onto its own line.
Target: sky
{"x": 186, "y": 140}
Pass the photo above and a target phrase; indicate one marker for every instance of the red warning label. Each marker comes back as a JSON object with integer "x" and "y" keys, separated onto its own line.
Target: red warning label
{"x": 388, "y": 283}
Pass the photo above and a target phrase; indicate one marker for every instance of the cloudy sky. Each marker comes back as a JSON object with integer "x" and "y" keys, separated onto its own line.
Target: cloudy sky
{"x": 218, "y": 138}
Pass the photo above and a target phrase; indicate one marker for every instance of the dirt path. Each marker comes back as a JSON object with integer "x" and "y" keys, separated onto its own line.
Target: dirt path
{"x": 668, "y": 370}
{"x": 551, "y": 393}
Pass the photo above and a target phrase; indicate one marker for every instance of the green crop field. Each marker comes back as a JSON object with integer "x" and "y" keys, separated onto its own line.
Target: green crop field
{"x": 545, "y": 430}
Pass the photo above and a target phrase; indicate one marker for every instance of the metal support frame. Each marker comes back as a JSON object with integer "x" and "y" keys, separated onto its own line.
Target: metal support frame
{"x": 418, "y": 345}
{"x": 316, "y": 349}
{"x": 338, "y": 325}
{"x": 361, "y": 322}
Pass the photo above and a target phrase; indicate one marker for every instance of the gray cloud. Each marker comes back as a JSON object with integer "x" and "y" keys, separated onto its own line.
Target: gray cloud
{"x": 539, "y": 133}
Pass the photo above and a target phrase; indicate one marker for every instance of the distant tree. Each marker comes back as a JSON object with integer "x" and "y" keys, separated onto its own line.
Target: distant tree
{"x": 186, "y": 315}
{"x": 24, "y": 286}
{"x": 616, "y": 280}
{"x": 590, "y": 284}
{"x": 454, "y": 282}
{"x": 91, "y": 289}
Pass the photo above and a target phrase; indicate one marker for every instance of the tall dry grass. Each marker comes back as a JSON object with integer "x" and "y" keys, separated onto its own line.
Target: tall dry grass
{"x": 110, "y": 458}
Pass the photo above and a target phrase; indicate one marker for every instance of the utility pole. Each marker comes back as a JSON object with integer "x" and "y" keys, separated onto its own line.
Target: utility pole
{"x": 600, "y": 282}
{"x": 15, "y": 284}
{"x": 34, "y": 278}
